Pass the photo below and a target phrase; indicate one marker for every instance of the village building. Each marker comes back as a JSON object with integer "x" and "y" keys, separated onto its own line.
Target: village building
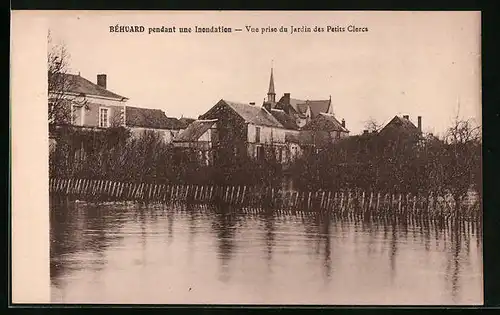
{"x": 286, "y": 127}
{"x": 92, "y": 105}
{"x": 89, "y": 104}
{"x": 402, "y": 126}
{"x": 309, "y": 124}
{"x": 140, "y": 120}
{"x": 247, "y": 129}
{"x": 324, "y": 129}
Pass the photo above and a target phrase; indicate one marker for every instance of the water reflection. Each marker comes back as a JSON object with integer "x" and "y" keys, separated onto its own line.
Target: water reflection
{"x": 394, "y": 249}
{"x": 249, "y": 256}
{"x": 73, "y": 228}
{"x": 269, "y": 220}
{"x": 325, "y": 224}
{"x": 224, "y": 226}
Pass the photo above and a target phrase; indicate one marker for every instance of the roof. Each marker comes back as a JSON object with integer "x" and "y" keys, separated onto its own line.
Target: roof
{"x": 185, "y": 122}
{"x": 317, "y": 106}
{"x": 254, "y": 114}
{"x": 78, "y": 84}
{"x": 400, "y": 124}
{"x": 325, "y": 122}
{"x": 150, "y": 118}
{"x": 281, "y": 104}
{"x": 286, "y": 120}
{"x": 195, "y": 130}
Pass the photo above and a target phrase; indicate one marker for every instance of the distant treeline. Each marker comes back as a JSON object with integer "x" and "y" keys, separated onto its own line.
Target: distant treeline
{"x": 397, "y": 163}
{"x": 371, "y": 162}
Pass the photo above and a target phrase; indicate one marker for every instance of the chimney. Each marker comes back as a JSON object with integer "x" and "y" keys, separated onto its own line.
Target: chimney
{"x": 407, "y": 117}
{"x": 420, "y": 123}
{"x": 287, "y": 98}
{"x": 101, "y": 80}
{"x": 343, "y": 122}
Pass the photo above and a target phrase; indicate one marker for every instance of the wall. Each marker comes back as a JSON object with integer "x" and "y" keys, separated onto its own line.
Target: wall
{"x": 210, "y": 135}
{"x": 268, "y": 135}
{"x": 167, "y": 135}
{"x": 91, "y": 112}
{"x": 231, "y": 132}
{"x": 92, "y": 115}
{"x": 301, "y": 122}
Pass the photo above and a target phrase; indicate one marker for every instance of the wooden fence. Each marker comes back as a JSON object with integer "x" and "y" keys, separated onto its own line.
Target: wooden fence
{"x": 345, "y": 202}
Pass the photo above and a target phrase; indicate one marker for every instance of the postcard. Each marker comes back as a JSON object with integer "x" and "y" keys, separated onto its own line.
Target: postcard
{"x": 246, "y": 157}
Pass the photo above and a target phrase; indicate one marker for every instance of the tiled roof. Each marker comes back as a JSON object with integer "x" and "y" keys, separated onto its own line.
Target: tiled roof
{"x": 325, "y": 122}
{"x": 401, "y": 124}
{"x": 78, "y": 84}
{"x": 283, "y": 106}
{"x": 195, "y": 130}
{"x": 300, "y": 106}
{"x": 317, "y": 107}
{"x": 254, "y": 114}
{"x": 286, "y": 120}
{"x": 150, "y": 118}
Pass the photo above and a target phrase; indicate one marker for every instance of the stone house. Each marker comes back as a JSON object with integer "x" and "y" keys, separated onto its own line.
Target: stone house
{"x": 89, "y": 104}
{"x": 247, "y": 129}
{"x": 92, "y": 105}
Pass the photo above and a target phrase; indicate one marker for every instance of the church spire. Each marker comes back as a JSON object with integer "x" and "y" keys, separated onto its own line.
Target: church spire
{"x": 271, "y": 94}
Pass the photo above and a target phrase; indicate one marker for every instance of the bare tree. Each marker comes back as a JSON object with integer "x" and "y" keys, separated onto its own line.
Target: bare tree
{"x": 463, "y": 132}
{"x": 463, "y": 144}
{"x": 60, "y": 84}
{"x": 372, "y": 125}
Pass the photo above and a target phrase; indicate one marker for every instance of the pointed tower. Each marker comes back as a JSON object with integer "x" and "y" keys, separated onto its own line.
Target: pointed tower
{"x": 271, "y": 95}
{"x": 330, "y": 107}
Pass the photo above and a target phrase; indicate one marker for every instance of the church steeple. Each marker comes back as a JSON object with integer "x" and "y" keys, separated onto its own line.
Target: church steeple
{"x": 271, "y": 95}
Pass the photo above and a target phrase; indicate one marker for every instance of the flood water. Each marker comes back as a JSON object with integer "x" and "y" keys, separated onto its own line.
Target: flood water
{"x": 131, "y": 253}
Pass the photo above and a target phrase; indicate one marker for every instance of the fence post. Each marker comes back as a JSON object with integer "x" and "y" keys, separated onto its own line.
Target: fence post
{"x": 399, "y": 207}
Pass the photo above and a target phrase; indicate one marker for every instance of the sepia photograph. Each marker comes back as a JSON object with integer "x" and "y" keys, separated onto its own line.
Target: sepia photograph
{"x": 259, "y": 157}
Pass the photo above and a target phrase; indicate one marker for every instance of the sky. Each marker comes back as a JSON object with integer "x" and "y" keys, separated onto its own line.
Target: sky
{"x": 407, "y": 63}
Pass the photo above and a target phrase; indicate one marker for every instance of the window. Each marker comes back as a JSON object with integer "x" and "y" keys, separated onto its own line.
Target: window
{"x": 257, "y": 134}
{"x": 77, "y": 115}
{"x": 104, "y": 117}
{"x": 260, "y": 153}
